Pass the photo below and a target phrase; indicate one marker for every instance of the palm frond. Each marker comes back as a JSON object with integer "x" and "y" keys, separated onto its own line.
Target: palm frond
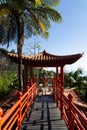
{"x": 42, "y": 24}
{"x": 53, "y": 15}
{"x": 8, "y": 30}
{"x": 38, "y": 1}
{"x": 4, "y": 12}
{"x": 51, "y": 3}
{"x": 49, "y": 13}
{"x": 36, "y": 15}
{"x": 4, "y": 9}
{"x": 34, "y": 25}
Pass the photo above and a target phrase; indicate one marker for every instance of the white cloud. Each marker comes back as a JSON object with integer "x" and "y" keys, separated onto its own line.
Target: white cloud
{"x": 81, "y": 63}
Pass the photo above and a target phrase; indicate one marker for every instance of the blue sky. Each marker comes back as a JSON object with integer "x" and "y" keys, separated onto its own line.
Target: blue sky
{"x": 70, "y": 36}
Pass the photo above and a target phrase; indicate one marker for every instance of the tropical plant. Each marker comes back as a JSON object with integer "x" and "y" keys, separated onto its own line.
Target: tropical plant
{"x": 35, "y": 48}
{"x": 6, "y": 65}
{"x": 8, "y": 81}
{"x": 25, "y": 17}
{"x": 76, "y": 80}
{"x": 69, "y": 80}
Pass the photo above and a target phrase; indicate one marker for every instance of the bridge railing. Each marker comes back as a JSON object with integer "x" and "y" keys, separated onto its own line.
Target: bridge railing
{"x": 72, "y": 115}
{"x": 13, "y": 118}
{"x": 74, "y": 119}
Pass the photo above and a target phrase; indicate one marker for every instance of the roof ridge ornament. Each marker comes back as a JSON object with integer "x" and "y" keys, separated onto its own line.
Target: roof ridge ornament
{"x": 44, "y": 52}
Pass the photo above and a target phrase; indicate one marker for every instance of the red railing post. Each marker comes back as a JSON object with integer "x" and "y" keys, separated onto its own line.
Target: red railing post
{"x": 30, "y": 83}
{"x": 1, "y": 113}
{"x": 70, "y": 116}
{"x": 27, "y": 87}
{"x": 34, "y": 92}
{"x": 55, "y": 90}
{"x": 20, "y": 109}
{"x": 62, "y": 91}
{"x": 57, "y": 94}
{"x": 53, "y": 87}
{"x": 27, "y": 104}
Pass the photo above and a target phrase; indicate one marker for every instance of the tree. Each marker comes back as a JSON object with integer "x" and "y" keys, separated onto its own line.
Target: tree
{"x": 76, "y": 80}
{"x": 73, "y": 78}
{"x": 35, "y": 48}
{"x": 6, "y": 65}
{"x": 77, "y": 74}
{"x": 3, "y": 55}
{"x": 25, "y": 17}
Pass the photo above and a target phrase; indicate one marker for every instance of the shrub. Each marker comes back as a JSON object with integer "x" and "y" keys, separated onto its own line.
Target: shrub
{"x": 6, "y": 84}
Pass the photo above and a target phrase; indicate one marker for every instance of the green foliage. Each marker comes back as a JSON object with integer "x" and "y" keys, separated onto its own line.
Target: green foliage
{"x": 7, "y": 83}
{"x": 8, "y": 74}
{"x": 35, "y": 18}
{"x": 51, "y": 2}
{"x": 26, "y": 17}
{"x": 76, "y": 80}
{"x": 81, "y": 87}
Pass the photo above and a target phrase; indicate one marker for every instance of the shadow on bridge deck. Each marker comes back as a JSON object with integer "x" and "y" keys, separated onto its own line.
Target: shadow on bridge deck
{"x": 44, "y": 115}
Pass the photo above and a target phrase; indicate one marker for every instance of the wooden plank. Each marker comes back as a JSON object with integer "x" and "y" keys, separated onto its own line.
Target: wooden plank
{"x": 44, "y": 115}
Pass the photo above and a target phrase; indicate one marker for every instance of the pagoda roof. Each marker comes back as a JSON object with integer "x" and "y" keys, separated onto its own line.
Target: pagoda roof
{"x": 45, "y": 59}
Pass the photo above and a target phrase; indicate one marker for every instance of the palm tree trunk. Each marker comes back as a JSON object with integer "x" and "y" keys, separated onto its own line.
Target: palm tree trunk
{"x": 20, "y": 70}
{"x": 20, "y": 25}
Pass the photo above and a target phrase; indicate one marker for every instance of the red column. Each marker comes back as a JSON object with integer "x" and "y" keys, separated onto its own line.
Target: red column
{"x": 56, "y": 73}
{"x": 31, "y": 73}
{"x": 62, "y": 76}
{"x": 62, "y": 90}
{"x": 56, "y": 87}
{"x": 26, "y": 75}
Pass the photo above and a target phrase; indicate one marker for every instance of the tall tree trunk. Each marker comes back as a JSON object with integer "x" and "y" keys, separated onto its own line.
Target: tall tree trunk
{"x": 20, "y": 70}
{"x": 19, "y": 50}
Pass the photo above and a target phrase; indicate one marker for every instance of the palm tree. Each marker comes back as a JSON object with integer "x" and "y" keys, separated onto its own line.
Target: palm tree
{"x": 3, "y": 54}
{"x": 77, "y": 74}
{"x": 73, "y": 78}
{"x": 25, "y": 17}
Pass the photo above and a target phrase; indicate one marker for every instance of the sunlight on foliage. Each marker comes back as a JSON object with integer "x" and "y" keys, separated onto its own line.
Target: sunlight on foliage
{"x": 4, "y": 12}
{"x": 42, "y": 25}
{"x": 38, "y": 1}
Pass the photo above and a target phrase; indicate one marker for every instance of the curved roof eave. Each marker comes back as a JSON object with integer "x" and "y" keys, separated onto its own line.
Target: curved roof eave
{"x": 45, "y": 59}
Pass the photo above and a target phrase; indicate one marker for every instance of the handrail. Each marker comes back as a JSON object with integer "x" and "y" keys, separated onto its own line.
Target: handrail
{"x": 74, "y": 119}
{"x": 13, "y": 118}
{"x": 72, "y": 116}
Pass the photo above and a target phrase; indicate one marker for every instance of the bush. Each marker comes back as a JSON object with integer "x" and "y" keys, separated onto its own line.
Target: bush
{"x": 6, "y": 84}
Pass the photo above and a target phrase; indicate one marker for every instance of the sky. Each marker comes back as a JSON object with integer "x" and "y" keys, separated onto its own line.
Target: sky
{"x": 69, "y": 36}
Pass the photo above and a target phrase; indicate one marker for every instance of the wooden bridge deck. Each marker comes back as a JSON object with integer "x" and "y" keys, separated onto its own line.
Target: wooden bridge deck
{"x": 44, "y": 115}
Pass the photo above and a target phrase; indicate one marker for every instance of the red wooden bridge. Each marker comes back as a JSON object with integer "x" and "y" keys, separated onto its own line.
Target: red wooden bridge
{"x": 46, "y": 112}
